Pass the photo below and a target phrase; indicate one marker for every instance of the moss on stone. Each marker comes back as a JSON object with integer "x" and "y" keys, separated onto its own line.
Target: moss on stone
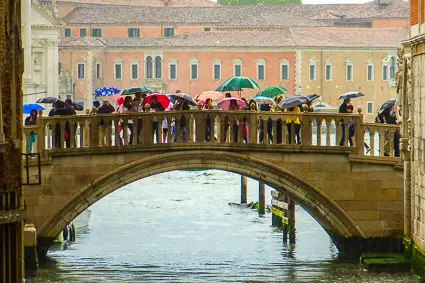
{"x": 387, "y": 264}
{"x": 365, "y": 256}
{"x": 418, "y": 261}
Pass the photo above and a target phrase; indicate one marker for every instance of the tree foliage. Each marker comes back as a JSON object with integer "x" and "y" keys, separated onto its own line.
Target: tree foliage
{"x": 257, "y": 2}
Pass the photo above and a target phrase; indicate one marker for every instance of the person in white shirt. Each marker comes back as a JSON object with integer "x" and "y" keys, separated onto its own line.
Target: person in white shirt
{"x": 126, "y": 107}
{"x": 164, "y": 130}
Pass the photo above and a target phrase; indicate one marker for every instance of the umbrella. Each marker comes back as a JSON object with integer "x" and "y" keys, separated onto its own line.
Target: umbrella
{"x": 292, "y": 101}
{"x": 77, "y": 106}
{"x": 272, "y": 91}
{"x": 388, "y": 104}
{"x": 134, "y": 90}
{"x": 263, "y": 100}
{"x": 184, "y": 96}
{"x": 119, "y": 100}
{"x": 161, "y": 98}
{"x": 47, "y": 100}
{"x": 225, "y": 103}
{"x": 27, "y": 108}
{"x": 351, "y": 94}
{"x": 312, "y": 97}
{"x": 106, "y": 91}
{"x": 214, "y": 95}
{"x": 237, "y": 84}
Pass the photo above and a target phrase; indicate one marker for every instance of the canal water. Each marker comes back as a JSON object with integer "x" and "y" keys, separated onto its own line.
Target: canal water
{"x": 181, "y": 227}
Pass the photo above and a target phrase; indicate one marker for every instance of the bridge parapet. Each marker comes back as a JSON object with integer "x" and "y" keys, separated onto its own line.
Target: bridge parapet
{"x": 284, "y": 129}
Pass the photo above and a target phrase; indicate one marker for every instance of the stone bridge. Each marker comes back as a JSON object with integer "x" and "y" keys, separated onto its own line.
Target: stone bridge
{"x": 356, "y": 197}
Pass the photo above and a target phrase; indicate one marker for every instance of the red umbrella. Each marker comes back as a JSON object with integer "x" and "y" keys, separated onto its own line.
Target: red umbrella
{"x": 161, "y": 98}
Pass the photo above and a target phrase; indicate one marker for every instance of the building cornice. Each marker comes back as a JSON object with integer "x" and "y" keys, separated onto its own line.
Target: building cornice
{"x": 414, "y": 40}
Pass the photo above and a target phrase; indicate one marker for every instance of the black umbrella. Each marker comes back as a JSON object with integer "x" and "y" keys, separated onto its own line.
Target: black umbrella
{"x": 48, "y": 100}
{"x": 292, "y": 101}
{"x": 312, "y": 97}
{"x": 351, "y": 94}
{"x": 390, "y": 103}
{"x": 185, "y": 97}
{"x": 77, "y": 106}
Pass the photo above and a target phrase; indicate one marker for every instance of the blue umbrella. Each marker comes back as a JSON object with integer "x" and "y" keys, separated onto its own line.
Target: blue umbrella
{"x": 388, "y": 104}
{"x": 106, "y": 91}
{"x": 292, "y": 101}
{"x": 27, "y": 108}
{"x": 351, "y": 94}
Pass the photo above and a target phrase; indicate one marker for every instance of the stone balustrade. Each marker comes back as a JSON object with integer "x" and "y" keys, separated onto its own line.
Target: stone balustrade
{"x": 212, "y": 126}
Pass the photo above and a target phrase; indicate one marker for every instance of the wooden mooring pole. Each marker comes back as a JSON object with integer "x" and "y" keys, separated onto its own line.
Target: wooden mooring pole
{"x": 291, "y": 220}
{"x": 244, "y": 189}
{"x": 280, "y": 214}
{"x": 262, "y": 198}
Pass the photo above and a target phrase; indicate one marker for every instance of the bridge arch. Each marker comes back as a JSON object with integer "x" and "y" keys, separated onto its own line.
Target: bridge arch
{"x": 334, "y": 219}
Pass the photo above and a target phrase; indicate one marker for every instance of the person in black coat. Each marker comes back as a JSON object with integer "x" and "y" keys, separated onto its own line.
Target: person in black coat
{"x": 343, "y": 109}
{"x": 60, "y": 108}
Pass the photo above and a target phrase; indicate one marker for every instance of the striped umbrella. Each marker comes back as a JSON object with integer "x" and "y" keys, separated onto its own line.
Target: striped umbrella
{"x": 272, "y": 91}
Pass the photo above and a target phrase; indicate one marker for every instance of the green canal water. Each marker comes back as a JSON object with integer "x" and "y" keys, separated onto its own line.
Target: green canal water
{"x": 179, "y": 227}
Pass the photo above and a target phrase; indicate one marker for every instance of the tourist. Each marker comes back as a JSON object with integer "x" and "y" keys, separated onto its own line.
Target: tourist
{"x": 351, "y": 130}
{"x": 279, "y": 131}
{"x": 297, "y": 124}
{"x": 105, "y": 130}
{"x": 31, "y": 120}
{"x": 246, "y": 104}
{"x": 343, "y": 110}
{"x": 199, "y": 106}
{"x": 155, "y": 106}
{"x": 244, "y": 130}
{"x": 261, "y": 129}
{"x": 208, "y": 104}
{"x": 173, "y": 129}
{"x": 233, "y": 106}
{"x": 127, "y": 107}
{"x": 270, "y": 130}
{"x": 390, "y": 117}
{"x": 61, "y": 108}
{"x": 164, "y": 130}
{"x": 183, "y": 129}
{"x": 138, "y": 107}
{"x": 253, "y": 105}
{"x": 228, "y": 95}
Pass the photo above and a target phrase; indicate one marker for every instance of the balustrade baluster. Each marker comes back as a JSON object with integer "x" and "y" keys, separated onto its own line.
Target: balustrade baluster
{"x": 328, "y": 132}
{"x": 136, "y": 127}
{"x": 252, "y": 127}
{"x": 372, "y": 141}
{"x": 359, "y": 134}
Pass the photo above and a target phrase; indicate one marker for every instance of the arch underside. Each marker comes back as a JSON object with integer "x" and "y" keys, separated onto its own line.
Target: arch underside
{"x": 327, "y": 212}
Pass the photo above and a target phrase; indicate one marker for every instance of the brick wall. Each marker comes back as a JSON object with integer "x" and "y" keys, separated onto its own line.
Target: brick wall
{"x": 414, "y": 12}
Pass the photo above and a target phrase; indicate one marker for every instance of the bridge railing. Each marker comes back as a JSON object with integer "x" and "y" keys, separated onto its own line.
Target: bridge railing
{"x": 212, "y": 126}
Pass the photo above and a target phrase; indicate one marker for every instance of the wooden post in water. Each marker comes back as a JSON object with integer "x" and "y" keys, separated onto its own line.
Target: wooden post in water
{"x": 291, "y": 220}
{"x": 244, "y": 189}
{"x": 262, "y": 198}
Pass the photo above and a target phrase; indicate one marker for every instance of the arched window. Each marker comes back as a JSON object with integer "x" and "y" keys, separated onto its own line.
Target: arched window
{"x": 149, "y": 67}
{"x": 158, "y": 67}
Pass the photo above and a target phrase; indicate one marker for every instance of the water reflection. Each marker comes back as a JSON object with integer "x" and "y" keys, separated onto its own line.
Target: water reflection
{"x": 179, "y": 227}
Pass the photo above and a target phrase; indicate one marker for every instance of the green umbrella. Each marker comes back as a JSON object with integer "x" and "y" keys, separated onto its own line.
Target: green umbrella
{"x": 134, "y": 90}
{"x": 237, "y": 84}
{"x": 272, "y": 91}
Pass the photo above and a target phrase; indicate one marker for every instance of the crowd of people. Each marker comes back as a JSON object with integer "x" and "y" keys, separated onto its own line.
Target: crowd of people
{"x": 161, "y": 127}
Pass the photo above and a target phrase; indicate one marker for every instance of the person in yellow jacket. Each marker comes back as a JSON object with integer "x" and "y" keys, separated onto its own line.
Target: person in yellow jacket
{"x": 297, "y": 123}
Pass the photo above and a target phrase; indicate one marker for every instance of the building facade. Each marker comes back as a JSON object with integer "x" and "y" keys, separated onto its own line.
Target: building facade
{"x": 412, "y": 103}
{"x": 12, "y": 210}
{"x": 198, "y": 62}
{"x": 40, "y": 34}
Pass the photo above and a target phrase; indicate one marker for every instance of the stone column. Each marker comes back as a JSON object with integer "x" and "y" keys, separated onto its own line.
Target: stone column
{"x": 27, "y": 38}
{"x": 262, "y": 198}
{"x": 244, "y": 189}
{"x": 50, "y": 69}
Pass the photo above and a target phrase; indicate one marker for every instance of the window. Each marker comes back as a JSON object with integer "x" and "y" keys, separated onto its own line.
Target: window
{"x": 158, "y": 67}
{"x": 238, "y": 71}
{"x": 217, "y": 71}
{"x": 59, "y": 68}
{"x": 237, "y": 67}
{"x": 312, "y": 72}
{"x": 149, "y": 68}
{"x": 385, "y": 72}
{"x": 96, "y": 32}
{"x": 260, "y": 72}
{"x": 67, "y": 32}
{"x": 133, "y": 32}
{"x": 370, "y": 72}
{"x": 118, "y": 71}
{"x": 349, "y": 72}
{"x": 83, "y": 32}
{"x": 168, "y": 32}
{"x": 369, "y": 107}
{"x": 284, "y": 71}
{"x": 134, "y": 71}
{"x": 173, "y": 71}
{"x": 193, "y": 68}
{"x": 207, "y": 29}
{"x": 328, "y": 71}
{"x": 80, "y": 70}
{"x": 99, "y": 72}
